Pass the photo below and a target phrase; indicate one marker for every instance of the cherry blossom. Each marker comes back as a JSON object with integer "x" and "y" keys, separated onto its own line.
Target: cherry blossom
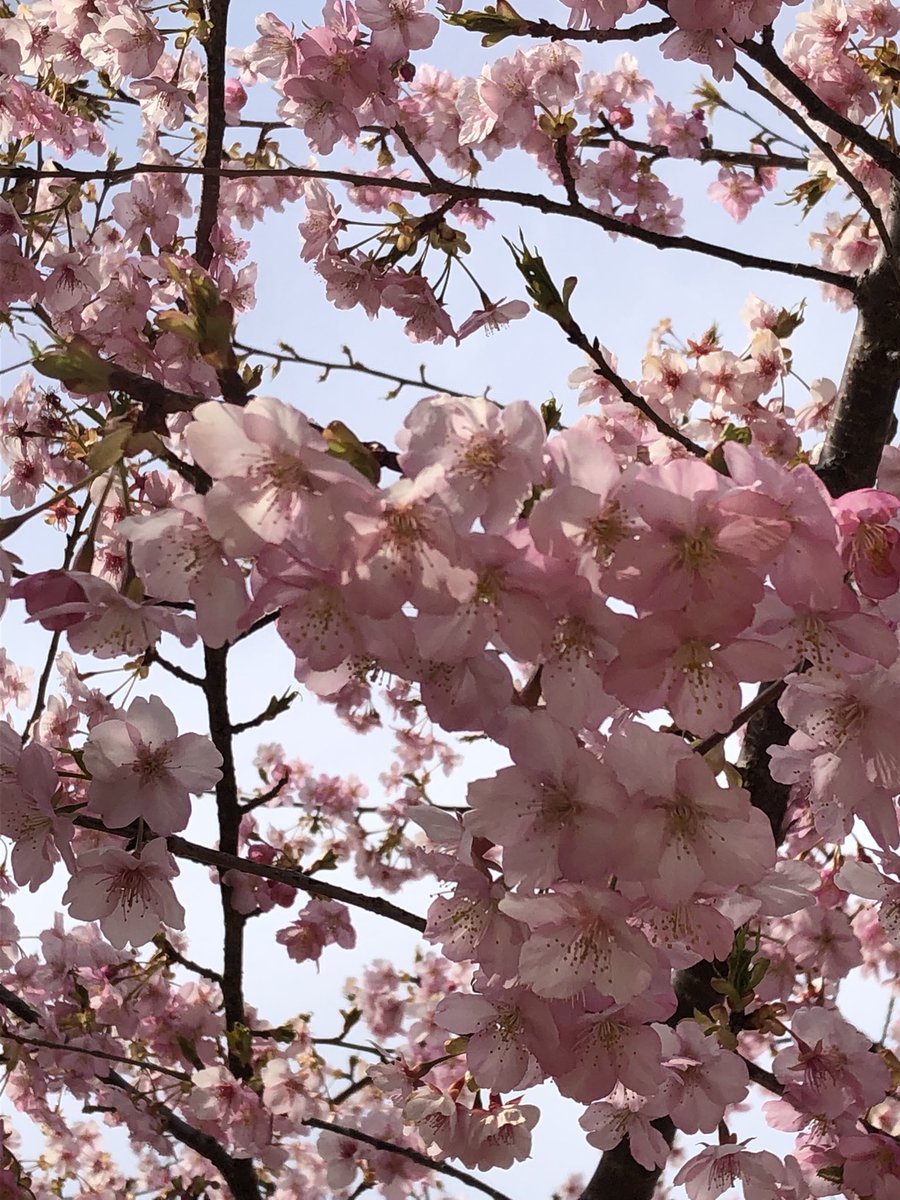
{"x": 829, "y": 1069}
{"x": 321, "y": 923}
{"x": 143, "y": 748}
{"x": 618, "y": 870}
{"x": 130, "y": 894}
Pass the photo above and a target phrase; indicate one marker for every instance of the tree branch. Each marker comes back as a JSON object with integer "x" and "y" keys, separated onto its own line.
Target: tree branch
{"x": 106, "y": 1055}
{"x": 456, "y": 191}
{"x": 849, "y": 179}
{"x": 231, "y": 1169}
{"x": 765, "y": 55}
{"x": 229, "y": 816}
{"x": 861, "y": 419}
{"x": 289, "y": 355}
{"x": 216, "y": 48}
{"x": 435, "y": 1164}
{"x": 223, "y": 861}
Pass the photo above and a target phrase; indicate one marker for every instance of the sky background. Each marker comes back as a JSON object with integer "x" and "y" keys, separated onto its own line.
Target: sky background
{"x": 624, "y": 290}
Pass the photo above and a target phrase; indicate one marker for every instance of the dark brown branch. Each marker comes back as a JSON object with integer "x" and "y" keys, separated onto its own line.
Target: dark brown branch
{"x": 216, "y": 48}
{"x": 415, "y": 1156}
{"x": 296, "y": 878}
{"x": 561, "y": 153}
{"x": 862, "y": 417}
{"x": 828, "y": 151}
{"x": 182, "y": 848}
{"x": 106, "y": 1055}
{"x": 732, "y": 158}
{"x": 152, "y": 656}
{"x": 229, "y": 818}
{"x": 259, "y": 801}
{"x": 619, "y": 1177}
{"x": 764, "y": 55}
{"x": 457, "y": 191}
{"x": 625, "y": 33}
{"x": 171, "y": 955}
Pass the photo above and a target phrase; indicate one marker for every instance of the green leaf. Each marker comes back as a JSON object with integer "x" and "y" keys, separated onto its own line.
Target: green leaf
{"x": 496, "y": 22}
{"x": 77, "y": 365}
{"x": 551, "y": 414}
{"x": 344, "y": 444}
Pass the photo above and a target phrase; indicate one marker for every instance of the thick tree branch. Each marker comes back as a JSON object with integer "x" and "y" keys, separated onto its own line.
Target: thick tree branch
{"x": 229, "y": 815}
{"x": 857, "y": 432}
{"x": 765, "y": 55}
{"x": 216, "y": 48}
{"x": 619, "y": 1177}
{"x": 861, "y": 420}
{"x": 458, "y": 191}
{"x": 845, "y": 173}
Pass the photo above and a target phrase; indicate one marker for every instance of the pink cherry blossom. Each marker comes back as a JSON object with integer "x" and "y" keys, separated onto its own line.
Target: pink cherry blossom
{"x": 29, "y": 800}
{"x": 489, "y": 457}
{"x": 706, "y": 540}
{"x": 716, "y": 1168}
{"x": 141, "y": 767}
{"x": 737, "y": 191}
{"x": 830, "y": 1068}
{"x": 869, "y": 541}
{"x": 580, "y": 938}
{"x": 607, "y": 1122}
{"x": 97, "y": 618}
{"x": 398, "y": 26}
{"x": 178, "y": 559}
{"x": 321, "y": 923}
{"x": 274, "y": 477}
{"x": 702, "y": 1078}
{"x": 550, "y": 810}
{"x": 130, "y": 894}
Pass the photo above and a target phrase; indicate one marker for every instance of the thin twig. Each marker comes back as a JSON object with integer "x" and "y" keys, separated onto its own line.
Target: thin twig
{"x": 259, "y": 801}
{"x": 151, "y": 656}
{"x": 224, "y": 861}
{"x": 106, "y": 1055}
{"x": 175, "y": 956}
{"x": 296, "y": 359}
{"x": 710, "y": 154}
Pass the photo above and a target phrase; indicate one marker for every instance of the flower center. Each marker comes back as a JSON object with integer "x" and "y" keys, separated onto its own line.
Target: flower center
{"x": 697, "y": 550}
{"x": 151, "y": 764}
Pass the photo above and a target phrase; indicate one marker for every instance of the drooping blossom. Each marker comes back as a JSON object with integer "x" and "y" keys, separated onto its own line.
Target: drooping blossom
{"x": 129, "y": 894}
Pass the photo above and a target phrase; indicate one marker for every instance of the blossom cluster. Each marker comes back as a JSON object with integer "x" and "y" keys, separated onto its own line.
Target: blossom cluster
{"x": 596, "y": 600}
